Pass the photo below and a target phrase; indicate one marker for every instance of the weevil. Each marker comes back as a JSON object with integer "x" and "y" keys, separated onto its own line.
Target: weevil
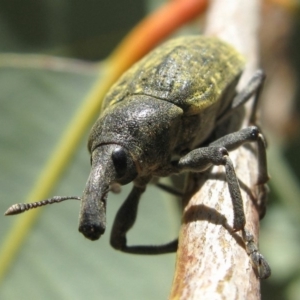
{"x": 176, "y": 110}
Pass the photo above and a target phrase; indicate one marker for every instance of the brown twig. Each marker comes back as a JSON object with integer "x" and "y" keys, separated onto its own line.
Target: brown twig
{"x": 212, "y": 262}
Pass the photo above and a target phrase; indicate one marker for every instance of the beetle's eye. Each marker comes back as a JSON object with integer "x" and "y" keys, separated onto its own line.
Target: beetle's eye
{"x": 119, "y": 157}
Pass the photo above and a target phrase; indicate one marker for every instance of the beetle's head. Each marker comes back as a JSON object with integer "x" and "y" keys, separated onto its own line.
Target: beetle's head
{"x": 111, "y": 163}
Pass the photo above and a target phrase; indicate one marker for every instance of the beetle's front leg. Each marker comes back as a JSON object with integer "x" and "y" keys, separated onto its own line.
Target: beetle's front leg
{"x": 125, "y": 219}
{"x": 199, "y": 160}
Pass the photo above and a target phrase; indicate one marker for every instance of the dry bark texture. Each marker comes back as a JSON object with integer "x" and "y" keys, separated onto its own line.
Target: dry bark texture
{"x": 212, "y": 262}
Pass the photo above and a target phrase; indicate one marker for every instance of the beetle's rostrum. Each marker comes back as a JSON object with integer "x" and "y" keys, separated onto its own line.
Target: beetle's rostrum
{"x": 110, "y": 164}
{"x": 172, "y": 112}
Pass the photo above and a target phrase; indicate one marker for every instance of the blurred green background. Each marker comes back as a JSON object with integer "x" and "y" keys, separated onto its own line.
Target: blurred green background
{"x": 38, "y": 97}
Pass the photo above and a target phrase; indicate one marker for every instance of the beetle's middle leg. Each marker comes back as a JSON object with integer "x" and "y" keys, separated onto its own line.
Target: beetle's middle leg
{"x": 216, "y": 153}
{"x": 125, "y": 219}
{"x": 201, "y": 159}
{"x": 234, "y": 140}
{"x": 251, "y": 134}
{"x": 169, "y": 189}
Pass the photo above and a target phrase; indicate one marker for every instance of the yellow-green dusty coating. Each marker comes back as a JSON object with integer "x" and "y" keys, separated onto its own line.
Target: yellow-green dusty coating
{"x": 190, "y": 72}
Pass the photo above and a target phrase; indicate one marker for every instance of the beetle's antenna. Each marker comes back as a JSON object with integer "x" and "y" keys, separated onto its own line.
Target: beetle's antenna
{"x": 21, "y": 207}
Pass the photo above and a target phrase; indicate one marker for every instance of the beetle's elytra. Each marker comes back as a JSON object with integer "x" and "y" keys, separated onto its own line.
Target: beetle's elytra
{"x": 170, "y": 113}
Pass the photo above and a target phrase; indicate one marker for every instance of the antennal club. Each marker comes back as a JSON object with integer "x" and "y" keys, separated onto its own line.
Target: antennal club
{"x": 21, "y": 207}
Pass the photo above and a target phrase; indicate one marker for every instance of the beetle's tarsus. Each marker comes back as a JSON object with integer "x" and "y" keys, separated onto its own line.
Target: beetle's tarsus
{"x": 151, "y": 249}
{"x": 258, "y": 261}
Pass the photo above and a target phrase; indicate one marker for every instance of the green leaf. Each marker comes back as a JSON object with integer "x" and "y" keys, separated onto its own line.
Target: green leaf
{"x": 56, "y": 261}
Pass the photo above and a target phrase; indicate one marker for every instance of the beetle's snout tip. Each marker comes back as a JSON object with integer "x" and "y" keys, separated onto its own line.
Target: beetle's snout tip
{"x": 91, "y": 232}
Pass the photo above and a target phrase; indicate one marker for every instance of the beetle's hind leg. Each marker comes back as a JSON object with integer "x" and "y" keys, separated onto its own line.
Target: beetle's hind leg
{"x": 125, "y": 219}
{"x": 253, "y": 88}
